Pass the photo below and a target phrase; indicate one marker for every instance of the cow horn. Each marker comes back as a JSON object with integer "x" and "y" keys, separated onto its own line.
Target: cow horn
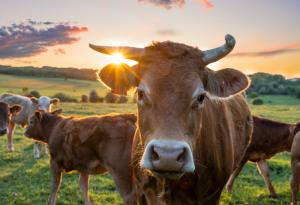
{"x": 215, "y": 54}
{"x": 129, "y": 52}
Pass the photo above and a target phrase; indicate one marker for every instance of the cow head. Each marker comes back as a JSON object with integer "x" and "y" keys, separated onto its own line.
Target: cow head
{"x": 174, "y": 87}
{"x": 37, "y": 122}
{"x": 44, "y": 103}
{"x": 6, "y": 112}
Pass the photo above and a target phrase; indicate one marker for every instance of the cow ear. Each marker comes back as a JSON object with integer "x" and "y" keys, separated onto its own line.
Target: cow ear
{"x": 34, "y": 100}
{"x": 118, "y": 77}
{"x": 54, "y": 101}
{"x": 225, "y": 82}
{"x": 15, "y": 109}
{"x": 38, "y": 115}
{"x": 57, "y": 112}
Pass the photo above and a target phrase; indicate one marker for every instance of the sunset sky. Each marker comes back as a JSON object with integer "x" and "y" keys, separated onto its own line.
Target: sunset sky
{"x": 57, "y": 32}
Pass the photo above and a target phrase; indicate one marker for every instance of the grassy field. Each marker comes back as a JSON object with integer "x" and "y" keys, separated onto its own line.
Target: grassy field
{"x": 49, "y": 86}
{"x": 24, "y": 180}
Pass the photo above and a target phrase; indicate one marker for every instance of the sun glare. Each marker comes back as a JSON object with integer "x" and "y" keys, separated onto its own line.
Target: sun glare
{"x": 118, "y": 58}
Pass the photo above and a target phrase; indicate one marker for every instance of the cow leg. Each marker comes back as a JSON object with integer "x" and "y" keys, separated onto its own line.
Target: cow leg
{"x": 56, "y": 180}
{"x": 36, "y": 151}
{"x": 295, "y": 180}
{"x": 11, "y": 129}
{"x": 264, "y": 171}
{"x": 235, "y": 173}
{"x": 44, "y": 149}
{"x": 84, "y": 187}
{"x": 125, "y": 188}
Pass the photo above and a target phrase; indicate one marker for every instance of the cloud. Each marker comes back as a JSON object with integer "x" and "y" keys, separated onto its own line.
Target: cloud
{"x": 168, "y": 4}
{"x": 32, "y": 37}
{"x": 290, "y": 48}
{"x": 59, "y": 51}
{"x": 167, "y": 32}
{"x": 207, "y": 4}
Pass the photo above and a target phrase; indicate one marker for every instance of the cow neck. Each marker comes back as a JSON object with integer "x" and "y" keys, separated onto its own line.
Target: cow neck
{"x": 49, "y": 122}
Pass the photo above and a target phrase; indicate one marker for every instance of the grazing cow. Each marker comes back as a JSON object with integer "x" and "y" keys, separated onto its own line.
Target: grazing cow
{"x": 193, "y": 122}
{"x": 91, "y": 145}
{"x": 6, "y": 112}
{"x": 295, "y": 164}
{"x": 29, "y": 105}
{"x": 269, "y": 138}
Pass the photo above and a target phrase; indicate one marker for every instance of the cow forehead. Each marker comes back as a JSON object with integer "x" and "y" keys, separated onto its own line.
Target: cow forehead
{"x": 187, "y": 83}
{"x": 44, "y": 100}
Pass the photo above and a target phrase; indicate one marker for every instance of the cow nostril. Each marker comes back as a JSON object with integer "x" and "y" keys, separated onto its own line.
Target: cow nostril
{"x": 181, "y": 156}
{"x": 154, "y": 155}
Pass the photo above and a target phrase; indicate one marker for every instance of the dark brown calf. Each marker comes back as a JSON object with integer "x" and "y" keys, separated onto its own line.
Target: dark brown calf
{"x": 6, "y": 112}
{"x": 91, "y": 145}
{"x": 295, "y": 164}
{"x": 268, "y": 138}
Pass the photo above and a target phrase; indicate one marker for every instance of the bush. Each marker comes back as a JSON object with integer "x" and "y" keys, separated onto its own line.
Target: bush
{"x": 258, "y": 101}
{"x": 110, "y": 97}
{"x": 298, "y": 94}
{"x": 64, "y": 98}
{"x": 253, "y": 95}
{"x": 25, "y": 90}
{"x": 122, "y": 99}
{"x": 94, "y": 97}
{"x": 35, "y": 93}
{"x": 84, "y": 99}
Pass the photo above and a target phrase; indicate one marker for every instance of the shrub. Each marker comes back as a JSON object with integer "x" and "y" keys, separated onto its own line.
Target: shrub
{"x": 35, "y": 93}
{"x": 253, "y": 95}
{"x": 258, "y": 101}
{"x": 84, "y": 99}
{"x": 110, "y": 97}
{"x": 25, "y": 90}
{"x": 94, "y": 97}
{"x": 298, "y": 94}
{"x": 122, "y": 99}
{"x": 64, "y": 98}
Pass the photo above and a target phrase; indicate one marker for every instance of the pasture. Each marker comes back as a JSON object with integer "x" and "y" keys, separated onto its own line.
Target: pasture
{"x": 24, "y": 180}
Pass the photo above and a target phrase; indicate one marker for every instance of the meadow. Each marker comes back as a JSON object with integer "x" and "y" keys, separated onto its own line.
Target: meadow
{"x": 24, "y": 180}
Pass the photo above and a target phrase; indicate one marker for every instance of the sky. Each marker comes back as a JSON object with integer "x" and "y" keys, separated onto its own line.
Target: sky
{"x": 57, "y": 32}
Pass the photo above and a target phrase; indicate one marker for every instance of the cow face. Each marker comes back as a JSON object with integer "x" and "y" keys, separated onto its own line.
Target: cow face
{"x": 43, "y": 103}
{"x": 35, "y": 128}
{"x": 174, "y": 87}
{"x": 5, "y": 113}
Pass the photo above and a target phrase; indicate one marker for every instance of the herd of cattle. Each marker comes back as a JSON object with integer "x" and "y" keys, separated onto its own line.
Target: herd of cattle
{"x": 192, "y": 135}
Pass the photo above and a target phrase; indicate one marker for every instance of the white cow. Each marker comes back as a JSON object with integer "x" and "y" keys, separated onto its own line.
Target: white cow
{"x": 30, "y": 105}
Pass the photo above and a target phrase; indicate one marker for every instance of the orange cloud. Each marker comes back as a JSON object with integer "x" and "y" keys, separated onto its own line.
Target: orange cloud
{"x": 289, "y": 48}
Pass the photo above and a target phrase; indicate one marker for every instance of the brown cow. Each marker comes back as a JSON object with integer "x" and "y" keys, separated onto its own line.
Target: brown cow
{"x": 295, "y": 164}
{"x": 91, "y": 145}
{"x": 6, "y": 112}
{"x": 193, "y": 124}
{"x": 269, "y": 138}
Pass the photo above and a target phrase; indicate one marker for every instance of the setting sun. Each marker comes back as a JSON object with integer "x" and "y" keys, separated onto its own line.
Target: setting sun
{"x": 118, "y": 58}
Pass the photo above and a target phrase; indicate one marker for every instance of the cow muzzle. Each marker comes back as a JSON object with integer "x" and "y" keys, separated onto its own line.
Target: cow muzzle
{"x": 168, "y": 158}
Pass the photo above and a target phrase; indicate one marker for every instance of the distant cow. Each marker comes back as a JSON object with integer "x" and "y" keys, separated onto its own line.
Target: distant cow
{"x": 193, "y": 123}
{"x": 295, "y": 164}
{"x": 29, "y": 105}
{"x": 6, "y": 112}
{"x": 269, "y": 138}
{"x": 91, "y": 145}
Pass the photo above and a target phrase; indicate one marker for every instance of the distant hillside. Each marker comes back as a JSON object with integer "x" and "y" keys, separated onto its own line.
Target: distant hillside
{"x": 262, "y": 83}
{"x": 50, "y": 72}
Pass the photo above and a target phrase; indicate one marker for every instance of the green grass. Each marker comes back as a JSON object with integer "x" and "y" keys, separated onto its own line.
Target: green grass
{"x": 49, "y": 86}
{"x": 24, "y": 180}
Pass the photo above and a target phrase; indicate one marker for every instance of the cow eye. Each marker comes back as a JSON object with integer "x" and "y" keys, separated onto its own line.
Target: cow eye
{"x": 201, "y": 98}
